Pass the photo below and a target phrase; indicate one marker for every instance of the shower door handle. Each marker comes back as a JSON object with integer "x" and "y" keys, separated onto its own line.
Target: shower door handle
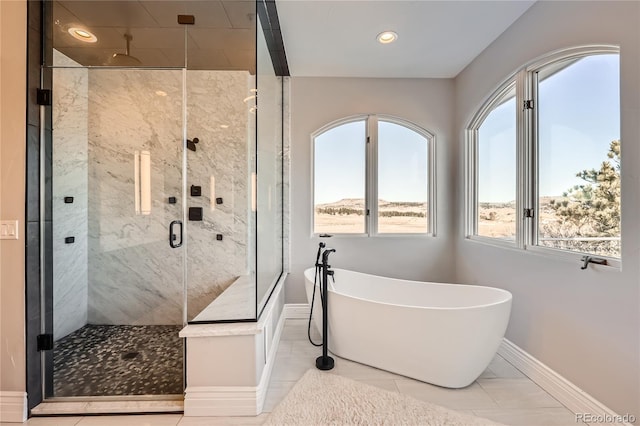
{"x": 172, "y": 235}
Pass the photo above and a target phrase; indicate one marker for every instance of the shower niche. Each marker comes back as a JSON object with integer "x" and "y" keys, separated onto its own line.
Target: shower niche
{"x": 164, "y": 208}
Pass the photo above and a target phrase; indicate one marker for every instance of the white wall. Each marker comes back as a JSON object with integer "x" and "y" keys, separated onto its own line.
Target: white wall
{"x": 318, "y": 101}
{"x": 583, "y": 324}
{"x": 13, "y": 42}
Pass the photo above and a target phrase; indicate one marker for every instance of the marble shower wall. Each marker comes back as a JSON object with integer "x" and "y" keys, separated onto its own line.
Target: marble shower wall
{"x": 135, "y": 277}
{"x": 70, "y": 117}
{"x": 220, "y": 119}
{"x": 270, "y": 171}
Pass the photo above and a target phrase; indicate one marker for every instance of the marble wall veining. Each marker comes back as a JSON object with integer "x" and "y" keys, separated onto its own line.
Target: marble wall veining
{"x": 220, "y": 119}
{"x": 121, "y": 269}
{"x": 134, "y": 276}
{"x": 70, "y": 118}
{"x": 269, "y": 184}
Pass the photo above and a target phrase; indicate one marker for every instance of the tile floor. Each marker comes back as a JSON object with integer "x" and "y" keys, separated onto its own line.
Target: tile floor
{"x": 118, "y": 360}
{"x": 502, "y": 393}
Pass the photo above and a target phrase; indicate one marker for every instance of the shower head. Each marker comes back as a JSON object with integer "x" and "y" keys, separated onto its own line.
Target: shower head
{"x": 124, "y": 59}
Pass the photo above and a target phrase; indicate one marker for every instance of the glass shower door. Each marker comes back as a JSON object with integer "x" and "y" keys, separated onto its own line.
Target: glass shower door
{"x": 117, "y": 232}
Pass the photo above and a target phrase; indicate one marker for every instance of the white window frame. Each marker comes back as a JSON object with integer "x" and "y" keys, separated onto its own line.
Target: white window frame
{"x": 371, "y": 175}
{"x": 471, "y": 167}
{"x": 527, "y": 156}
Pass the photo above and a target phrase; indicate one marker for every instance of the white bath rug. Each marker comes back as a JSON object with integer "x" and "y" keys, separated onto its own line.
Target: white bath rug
{"x": 322, "y": 398}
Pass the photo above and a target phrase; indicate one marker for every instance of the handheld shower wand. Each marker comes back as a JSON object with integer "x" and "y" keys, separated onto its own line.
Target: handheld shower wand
{"x": 320, "y": 247}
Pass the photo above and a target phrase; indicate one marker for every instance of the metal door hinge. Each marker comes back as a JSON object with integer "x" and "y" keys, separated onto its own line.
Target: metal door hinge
{"x": 45, "y": 342}
{"x": 368, "y": 139}
{"x": 528, "y": 212}
{"x": 43, "y": 97}
{"x": 367, "y": 212}
{"x": 528, "y": 104}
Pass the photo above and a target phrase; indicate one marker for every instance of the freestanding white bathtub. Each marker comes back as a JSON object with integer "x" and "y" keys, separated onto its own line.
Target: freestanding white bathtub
{"x": 444, "y": 334}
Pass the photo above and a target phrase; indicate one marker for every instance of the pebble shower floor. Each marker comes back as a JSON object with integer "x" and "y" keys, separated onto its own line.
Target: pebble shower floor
{"x": 103, "y": 360}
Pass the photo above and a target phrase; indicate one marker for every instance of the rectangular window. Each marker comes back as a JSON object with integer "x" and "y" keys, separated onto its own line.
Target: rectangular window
{"x": 402, "y": 180}
{"x": 578, "y": 123}
{"x": 497, "y": 141}
{"x": 397, "y": 178}
{"x": 339, "y": 182}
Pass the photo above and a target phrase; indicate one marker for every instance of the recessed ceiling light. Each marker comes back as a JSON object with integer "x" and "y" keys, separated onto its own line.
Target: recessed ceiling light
{"x": 82, "y": 35}
{"x": 161, "y": 93}
{"x": 387, "y": 37}
{"x": 224, "y": 126}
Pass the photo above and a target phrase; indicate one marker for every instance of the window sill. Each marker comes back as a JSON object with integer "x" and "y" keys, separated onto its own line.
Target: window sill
{"x": 573, "y": 257}
{"x": 496, "y": 242}
{"x": 389, "y": 235}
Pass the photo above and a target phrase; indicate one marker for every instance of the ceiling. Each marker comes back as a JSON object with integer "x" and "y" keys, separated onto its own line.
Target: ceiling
{"x": 436, "y": 39}
{"x": 222, "y": 38}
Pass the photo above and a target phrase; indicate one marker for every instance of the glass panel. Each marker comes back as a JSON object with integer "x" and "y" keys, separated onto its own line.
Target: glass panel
{"x": 496, "y": 171}
{"x": 579, "y": 155}
{"x": 339, "y": 179}
{"x": 269, "y": 193}
{"x": 117, "y": 185}
{"x": 402, "y": 180}
{"x": 221, "y": 114}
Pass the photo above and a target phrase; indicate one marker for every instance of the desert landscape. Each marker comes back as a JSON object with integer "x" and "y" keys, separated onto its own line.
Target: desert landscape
{"x": 496, "y": 220}
{"x": 347, "y": 216}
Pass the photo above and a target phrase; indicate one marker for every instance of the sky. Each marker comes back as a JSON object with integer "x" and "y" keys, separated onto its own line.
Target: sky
{"x": 579, "y": 115}
{"x": 340, "y": 163}
{"x": 579, "y": 112}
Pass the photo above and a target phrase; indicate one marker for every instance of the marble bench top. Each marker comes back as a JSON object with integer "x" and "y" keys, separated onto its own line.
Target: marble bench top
{"x": 237, "y": 302}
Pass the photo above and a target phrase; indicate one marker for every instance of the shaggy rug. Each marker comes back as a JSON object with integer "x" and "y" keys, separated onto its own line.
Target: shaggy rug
{"x": 327, "y": 399}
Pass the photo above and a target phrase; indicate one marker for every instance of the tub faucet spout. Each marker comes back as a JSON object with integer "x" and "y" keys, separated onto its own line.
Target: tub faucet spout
{"x": 325, "y": 257}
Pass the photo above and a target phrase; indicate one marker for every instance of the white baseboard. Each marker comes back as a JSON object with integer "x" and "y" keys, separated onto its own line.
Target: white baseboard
{"x": 571, "y": 396}
{"x": 13, "y": 406}
{"x": 296, "y": 311}
{"x": 222, "y": 401}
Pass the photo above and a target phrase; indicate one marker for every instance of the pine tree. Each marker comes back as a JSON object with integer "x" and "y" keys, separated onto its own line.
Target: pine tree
{"x": 592, "y": 209}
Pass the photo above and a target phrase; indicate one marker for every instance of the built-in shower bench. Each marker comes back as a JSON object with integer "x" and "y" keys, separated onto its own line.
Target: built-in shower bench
{"x": 228, "y": 365}
{"x": 238, "y": 301}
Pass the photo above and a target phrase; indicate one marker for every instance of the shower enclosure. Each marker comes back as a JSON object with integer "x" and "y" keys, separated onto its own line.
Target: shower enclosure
{"x": 165, "y": 197}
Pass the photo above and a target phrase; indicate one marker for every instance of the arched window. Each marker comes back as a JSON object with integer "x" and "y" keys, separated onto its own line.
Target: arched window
{"x": 543, "y": 156}
{"x": 373, "y": 175}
